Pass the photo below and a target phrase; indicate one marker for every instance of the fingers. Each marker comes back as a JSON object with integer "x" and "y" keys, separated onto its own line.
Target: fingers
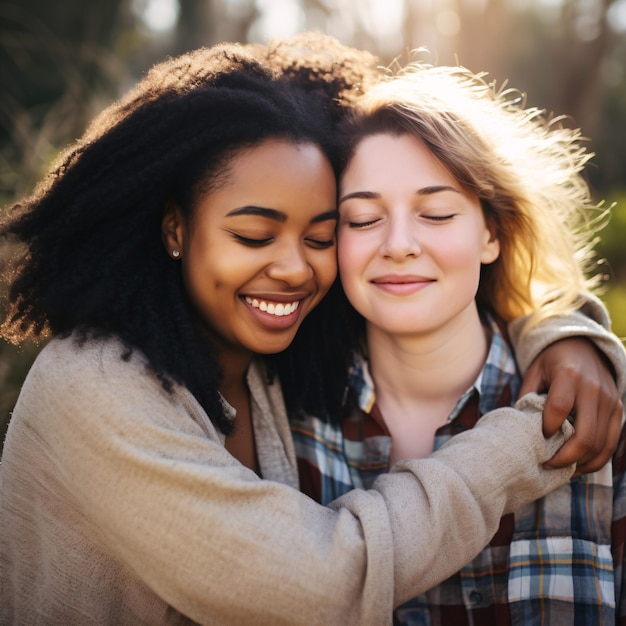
{"x": 603, "y": 450}
{"x": 533, "y": 380}
{"x": 594, "y": 441}
{"x": 578, "y": 382}
{"x": 590, "y": 428}
{"x": 572, "y": 451}
{"x": 561, "y": 401}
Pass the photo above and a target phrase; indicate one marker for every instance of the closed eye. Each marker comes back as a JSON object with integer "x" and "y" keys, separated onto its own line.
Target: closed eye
{"x": 439, "y": 218}
{"x": 253, "y": 243}
{"x": 362, "y": 224}
{"x": 321, "y": 244}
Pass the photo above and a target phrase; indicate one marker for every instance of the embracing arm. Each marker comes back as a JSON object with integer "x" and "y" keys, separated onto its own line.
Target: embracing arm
{"x": 582, "y": 366}
{"x": 152, "y": 485}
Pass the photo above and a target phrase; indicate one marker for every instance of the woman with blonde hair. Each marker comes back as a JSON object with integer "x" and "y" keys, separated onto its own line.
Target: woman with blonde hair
{"x": 460, "y": 211}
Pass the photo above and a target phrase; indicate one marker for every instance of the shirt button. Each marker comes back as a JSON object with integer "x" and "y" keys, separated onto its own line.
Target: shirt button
{"x": 475, "y": 598}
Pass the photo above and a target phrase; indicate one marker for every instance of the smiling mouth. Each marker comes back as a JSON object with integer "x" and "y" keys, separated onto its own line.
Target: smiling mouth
{"x": 279, "y": 309}
{"x": 400, "y": 280}
{"x": 402, "y": 285}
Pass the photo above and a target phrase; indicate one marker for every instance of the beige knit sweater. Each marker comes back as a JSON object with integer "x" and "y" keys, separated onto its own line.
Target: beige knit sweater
{"x": 120, "y": 505}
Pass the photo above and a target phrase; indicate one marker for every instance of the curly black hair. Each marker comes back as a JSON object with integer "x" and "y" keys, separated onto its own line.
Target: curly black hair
{"x": 92, "y": 261}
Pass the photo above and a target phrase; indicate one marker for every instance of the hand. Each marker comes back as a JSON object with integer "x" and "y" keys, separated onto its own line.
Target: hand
{"x": 578, "y": 380}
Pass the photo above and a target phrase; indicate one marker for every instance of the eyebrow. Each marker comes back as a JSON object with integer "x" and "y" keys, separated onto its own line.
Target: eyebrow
{"x": 424, "y": 191}
{"x": 279, "y": 216}
{"x": 333, "y": 214}
{"x": 271, "y": 214}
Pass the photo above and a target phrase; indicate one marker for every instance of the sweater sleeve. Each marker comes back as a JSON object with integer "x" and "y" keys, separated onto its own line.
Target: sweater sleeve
{"x": 591, "y": 320}
{"x": 147, "y": 478}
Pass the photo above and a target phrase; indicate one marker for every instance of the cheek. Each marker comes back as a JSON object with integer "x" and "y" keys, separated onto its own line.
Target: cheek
{"x": 462, "y": 258}
{"x": 460, "y": 248}
{"x": 353, "y": 258}
{"x": 348, "y": 259}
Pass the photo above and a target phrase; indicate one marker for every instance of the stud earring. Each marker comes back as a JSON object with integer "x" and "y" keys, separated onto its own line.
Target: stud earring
{"x": 175, "y": 253}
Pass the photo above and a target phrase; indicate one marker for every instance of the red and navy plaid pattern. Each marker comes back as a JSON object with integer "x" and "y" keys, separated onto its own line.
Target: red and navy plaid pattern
{"x": 556, "y": 561}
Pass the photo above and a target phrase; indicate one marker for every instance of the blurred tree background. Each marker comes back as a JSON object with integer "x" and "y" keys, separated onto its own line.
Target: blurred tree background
{"x": 60, "y": 63}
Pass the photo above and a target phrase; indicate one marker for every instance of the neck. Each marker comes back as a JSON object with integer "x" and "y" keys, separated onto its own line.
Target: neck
{"x": 234, "y": 371}
{"x": 432, "y": 368}
{"x": 233, "y": 362}
{"x": 234, "y": 387}
{"x": 420, "y": 378}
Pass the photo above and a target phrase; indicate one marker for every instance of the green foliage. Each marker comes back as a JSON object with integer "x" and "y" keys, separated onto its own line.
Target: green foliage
{"x": 14, "y": 365}
{"x": 55, "y": 59}
{"x": 615, "y": 300}
{"x": 612, "y": 247}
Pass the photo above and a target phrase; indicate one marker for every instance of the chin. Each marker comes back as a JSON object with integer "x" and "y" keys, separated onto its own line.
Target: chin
{"x": 274, "y": 348}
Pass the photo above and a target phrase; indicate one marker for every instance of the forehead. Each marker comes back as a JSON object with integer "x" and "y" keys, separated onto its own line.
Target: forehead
{"x": 262, "y": 160}
{"x": 287, "y": 176}
{"x": 390, "y": 157}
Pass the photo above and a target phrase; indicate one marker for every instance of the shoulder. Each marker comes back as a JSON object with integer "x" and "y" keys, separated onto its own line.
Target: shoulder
{"x": 71, "y": 350}
{"x": 69, "y": 366}
{"x": 72, "y": 384}
{"x": 83, "y": 402}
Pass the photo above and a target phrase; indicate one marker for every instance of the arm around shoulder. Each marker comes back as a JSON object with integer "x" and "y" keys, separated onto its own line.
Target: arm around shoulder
{"x": 590, "y": 321}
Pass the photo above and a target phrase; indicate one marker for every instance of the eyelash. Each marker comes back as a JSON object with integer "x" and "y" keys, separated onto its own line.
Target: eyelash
{"x": 259, "y": 243}
{"x": 440, "y": 218}
{"x": 253, "y": 243}
{"x": 322, "y": 245}
{"x": 432, "y": 218}
{"x": 362, "y": 224}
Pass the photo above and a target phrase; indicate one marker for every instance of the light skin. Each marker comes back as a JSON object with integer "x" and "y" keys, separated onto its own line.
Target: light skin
{"x": 411, "y": 241}
{"x": 258, "y": 254}
{"x": 411, "y": 244}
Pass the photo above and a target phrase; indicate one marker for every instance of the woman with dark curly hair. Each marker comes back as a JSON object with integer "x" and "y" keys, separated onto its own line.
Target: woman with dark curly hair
{"x": 149, "y": 474}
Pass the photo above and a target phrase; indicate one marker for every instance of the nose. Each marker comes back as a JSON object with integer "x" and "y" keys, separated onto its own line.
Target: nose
{"x": 291, "y": 265}
{"x": 401, "y": 239}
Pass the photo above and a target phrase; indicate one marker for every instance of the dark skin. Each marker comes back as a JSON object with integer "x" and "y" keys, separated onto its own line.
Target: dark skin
{"x": 241, "y": 443}
{"x": 598, "y": 411}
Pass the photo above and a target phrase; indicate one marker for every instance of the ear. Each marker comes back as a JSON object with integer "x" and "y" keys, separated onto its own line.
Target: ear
{"x": 173, "y": 230}
{"x": 490, "y": 247}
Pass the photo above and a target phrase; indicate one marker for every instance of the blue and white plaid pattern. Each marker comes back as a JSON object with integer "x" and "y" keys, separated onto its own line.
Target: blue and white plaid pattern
{"x": 557, "y": 561}
{"x": 319, "y": 447}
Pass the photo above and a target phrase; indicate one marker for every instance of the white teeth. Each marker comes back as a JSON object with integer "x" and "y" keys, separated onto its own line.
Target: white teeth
{"x": 279, "y": 309}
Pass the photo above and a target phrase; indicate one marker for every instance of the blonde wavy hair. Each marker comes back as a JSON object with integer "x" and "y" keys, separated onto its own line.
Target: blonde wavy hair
{"x": 524, "y": 166}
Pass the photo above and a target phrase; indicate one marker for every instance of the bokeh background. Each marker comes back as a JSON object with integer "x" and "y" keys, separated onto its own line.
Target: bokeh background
{"x": 62, "y": 62}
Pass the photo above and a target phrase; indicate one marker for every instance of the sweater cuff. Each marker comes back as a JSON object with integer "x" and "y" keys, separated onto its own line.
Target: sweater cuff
{"x": 591, "y": 321}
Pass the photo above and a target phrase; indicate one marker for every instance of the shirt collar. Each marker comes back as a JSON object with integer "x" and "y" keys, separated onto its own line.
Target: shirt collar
{"x": 500, "y": 370}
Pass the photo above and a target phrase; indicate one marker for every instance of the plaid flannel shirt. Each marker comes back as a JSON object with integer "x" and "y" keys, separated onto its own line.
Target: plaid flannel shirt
{"x": 556, "y": 561}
